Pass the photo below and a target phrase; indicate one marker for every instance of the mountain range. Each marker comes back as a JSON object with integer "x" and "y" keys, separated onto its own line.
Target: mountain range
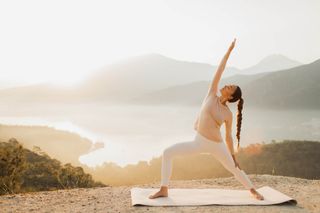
{"x": 157, "y": 79}
{"x": 296, "y": 88}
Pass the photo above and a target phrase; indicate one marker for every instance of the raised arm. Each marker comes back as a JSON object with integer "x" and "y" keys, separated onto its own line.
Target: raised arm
{"x": 214, "y": 85}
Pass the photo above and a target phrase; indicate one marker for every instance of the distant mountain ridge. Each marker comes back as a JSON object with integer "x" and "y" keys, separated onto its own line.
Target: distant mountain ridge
{"x": 270, "y": 63}
{"x": 142, "y": 74}
{"x": 294, "y": 88}
{"x": 132, "y": 79}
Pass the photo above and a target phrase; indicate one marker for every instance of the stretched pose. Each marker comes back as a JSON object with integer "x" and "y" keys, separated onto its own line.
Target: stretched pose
{"x": 214, "y": 112}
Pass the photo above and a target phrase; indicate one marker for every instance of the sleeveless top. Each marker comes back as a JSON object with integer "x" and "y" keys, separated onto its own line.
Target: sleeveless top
{"x": 212, "y": 115}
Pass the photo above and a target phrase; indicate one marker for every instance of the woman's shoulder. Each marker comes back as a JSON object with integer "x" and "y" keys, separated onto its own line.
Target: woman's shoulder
{"x": 212, "y": 96}
{"x": 210, "y": 99}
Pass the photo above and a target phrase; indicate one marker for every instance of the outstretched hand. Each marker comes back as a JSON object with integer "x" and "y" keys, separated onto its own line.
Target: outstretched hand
{"x": 232, "y": 45}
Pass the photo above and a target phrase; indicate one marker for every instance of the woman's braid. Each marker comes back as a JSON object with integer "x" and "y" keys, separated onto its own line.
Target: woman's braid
{"x": 239, "y": 120}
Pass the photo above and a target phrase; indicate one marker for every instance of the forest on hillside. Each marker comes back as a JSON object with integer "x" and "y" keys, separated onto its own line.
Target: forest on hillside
{"x": 286, "y": 158}
{"x": 23, "y": 170}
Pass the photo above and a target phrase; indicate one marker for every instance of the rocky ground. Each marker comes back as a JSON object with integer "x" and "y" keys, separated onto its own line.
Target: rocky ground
{"x": 117, "y": 199}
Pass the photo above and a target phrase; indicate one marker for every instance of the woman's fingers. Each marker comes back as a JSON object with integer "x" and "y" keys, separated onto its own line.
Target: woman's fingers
{"x": 239, "y": 166}
{"x": 232, "y": 44}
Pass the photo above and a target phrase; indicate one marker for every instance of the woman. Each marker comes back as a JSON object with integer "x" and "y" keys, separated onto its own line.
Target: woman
{"x": 214, "y": 112}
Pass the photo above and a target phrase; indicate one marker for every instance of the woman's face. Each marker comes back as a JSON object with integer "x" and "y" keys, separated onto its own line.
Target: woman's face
{"x": 228, "y": 90}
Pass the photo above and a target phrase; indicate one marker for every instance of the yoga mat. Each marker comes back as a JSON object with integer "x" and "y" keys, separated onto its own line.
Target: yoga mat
{"x": 212, "y": 196}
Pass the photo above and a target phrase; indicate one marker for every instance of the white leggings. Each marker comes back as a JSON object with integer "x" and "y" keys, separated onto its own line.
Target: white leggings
{"x": 201, "y": 144}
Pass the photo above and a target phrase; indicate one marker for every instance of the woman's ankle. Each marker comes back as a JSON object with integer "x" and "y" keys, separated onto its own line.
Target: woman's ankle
{"x": 252, "y": 190}
{"x": 164, "y": 187}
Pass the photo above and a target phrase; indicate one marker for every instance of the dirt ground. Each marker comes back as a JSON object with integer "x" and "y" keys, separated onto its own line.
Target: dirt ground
{"x": 118, "y": 199}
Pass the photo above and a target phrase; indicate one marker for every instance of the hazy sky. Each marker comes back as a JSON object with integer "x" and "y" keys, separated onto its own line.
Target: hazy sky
{"x": 64, "y": 41}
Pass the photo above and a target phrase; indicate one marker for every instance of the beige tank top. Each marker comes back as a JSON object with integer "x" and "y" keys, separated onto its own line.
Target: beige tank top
{"x": 212, "y": 115}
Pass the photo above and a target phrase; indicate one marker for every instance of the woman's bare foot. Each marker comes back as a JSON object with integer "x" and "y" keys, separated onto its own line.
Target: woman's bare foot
{"x": 256, "y": 194}
{"x": 163, "y": 192}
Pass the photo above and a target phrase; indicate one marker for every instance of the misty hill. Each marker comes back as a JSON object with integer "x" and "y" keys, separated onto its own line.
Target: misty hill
{"x": 271, "y": 63}
{"x": 189, "y": 94}
{"x": 118, "y": 81}
{"x": 23, "y": 170}
{"x": 297, "y": 88}
{"x": 288, "y": 158}
{"x": 63, "y": 145}
{"x": 129, "y": 79}
{"x": 294, "y": 88}
{"x": 142, "y": 74}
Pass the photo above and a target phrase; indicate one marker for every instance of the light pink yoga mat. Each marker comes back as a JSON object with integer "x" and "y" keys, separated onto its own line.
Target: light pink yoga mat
{"x": 213, "y": 196}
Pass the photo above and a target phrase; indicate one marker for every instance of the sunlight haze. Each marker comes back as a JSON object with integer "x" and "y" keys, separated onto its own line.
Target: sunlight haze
{"x": 65, "y": 41}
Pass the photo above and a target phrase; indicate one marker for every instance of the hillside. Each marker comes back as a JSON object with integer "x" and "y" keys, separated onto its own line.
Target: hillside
{"x": 190, "y": 94}
{"x": 60, "y": 144}
{"x": 117, "y": 82}
{"x": 271, "y": 63}
{"x": 286, "y": 158}
{"x": 23, "y": 170}
{"x": 294, "y": 88}
{"x": 132, "y": 78}
{"x": 297, "y": 88}
{"x": 117, "y": 199}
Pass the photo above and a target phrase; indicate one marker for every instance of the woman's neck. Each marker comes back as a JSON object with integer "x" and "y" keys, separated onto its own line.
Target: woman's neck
{"x": 222, "y": 100}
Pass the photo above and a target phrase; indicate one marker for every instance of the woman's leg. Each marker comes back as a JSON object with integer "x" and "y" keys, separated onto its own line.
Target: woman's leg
{"x": 220, "y": 151}
{"x": 178, "y": 149}
{"x": 183, "y": 148}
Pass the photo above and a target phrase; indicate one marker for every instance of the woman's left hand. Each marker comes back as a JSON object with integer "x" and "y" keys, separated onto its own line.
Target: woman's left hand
{"x": 237, "y": 164}
{"x": 235, "y": 161}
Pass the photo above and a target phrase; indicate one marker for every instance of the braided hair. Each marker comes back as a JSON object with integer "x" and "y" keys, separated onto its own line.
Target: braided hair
{"x": 237, "y": 95}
